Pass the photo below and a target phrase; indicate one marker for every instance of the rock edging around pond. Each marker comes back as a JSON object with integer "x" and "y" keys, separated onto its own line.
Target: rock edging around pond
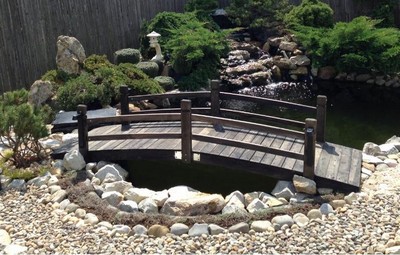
{"x": 382, "y": 157}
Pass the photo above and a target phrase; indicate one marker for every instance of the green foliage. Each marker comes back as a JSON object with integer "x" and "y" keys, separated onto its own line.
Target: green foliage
{"x": 384, "y": 12}
{"x": 21, "y": 127}
{"x": 313, "y": 13}
{"x": 127, "y": 56}
{"x": 57, "y": 77}
{"x": 165, "y": 82}
{"x": 206, "y": 6}
{"x": 138, "y": 81}
{"x": 94, "y": 62}
{"x": 355, "y": 46}
{"x": 202, "y": 49}
{"x": 148, "y": 67}
{"x": 163, "y": 23}
{"x": 257, "y": 13}
{"x": 81, "y": 90}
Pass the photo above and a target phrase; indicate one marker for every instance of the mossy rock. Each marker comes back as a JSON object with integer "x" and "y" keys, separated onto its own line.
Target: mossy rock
{"x": 168, "y": 83}
{"x": 150, "y": 68}
{"x": 127, "y": 55}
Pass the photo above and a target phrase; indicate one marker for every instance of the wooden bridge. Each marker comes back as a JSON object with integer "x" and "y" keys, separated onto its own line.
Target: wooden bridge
{"x": 274, "y": 146}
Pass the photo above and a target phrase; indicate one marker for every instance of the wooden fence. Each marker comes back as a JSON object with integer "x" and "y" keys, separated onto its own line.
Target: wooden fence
{"x": 29, "y": 29}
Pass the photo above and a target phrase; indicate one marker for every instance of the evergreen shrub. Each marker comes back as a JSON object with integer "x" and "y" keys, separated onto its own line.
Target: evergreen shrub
{"x": 21, "y": 127}
{"x": 148, "y": 67}
{"x": 127, "y": 56}
{"x": 313, "y": 13}
{"x": 357, "y": 46}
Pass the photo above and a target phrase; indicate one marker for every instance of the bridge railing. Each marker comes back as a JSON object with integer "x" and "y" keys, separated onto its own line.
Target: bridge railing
{"x": 187, "y": 116}
{"x": 216, "y": 97}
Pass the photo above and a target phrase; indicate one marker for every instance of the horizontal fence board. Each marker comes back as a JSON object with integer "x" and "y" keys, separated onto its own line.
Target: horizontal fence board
{"x": 29, "y": 29}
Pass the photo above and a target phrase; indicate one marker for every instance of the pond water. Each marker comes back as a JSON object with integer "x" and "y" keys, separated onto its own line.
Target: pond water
{"x": 356, "y": 114}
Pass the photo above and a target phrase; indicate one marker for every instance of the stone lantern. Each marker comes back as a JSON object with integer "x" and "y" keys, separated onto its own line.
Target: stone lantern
{"x": 153, "y": 36}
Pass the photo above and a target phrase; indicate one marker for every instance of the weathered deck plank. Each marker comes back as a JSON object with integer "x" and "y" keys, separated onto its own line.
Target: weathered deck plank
{"x": 336, "y": 166}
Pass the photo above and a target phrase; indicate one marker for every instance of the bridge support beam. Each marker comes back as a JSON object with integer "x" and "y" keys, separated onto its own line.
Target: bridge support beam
{"x": 309, "y": 148}
{"x": 83, "y": 140}
{"x": 215, "y": 107}
{"x": 321, "y": 118}
{"x": 186, "y": 129}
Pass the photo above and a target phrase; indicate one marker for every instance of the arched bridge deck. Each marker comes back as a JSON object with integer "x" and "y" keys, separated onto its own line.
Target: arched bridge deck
{"x": 207, "y": 136}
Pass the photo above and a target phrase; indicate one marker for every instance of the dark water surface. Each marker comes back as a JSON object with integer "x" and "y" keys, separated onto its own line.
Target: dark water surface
{"x": 356, "y": 114}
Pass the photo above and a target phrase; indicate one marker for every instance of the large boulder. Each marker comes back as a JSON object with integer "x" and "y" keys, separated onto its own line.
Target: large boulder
{"x": 284, "y": 63}
{"x": 327, "y": 72}
{"x": 198, "y": 204}
{"x": 39, "y": 93}
{"x": 301, "y": 60}
{"x": 284, "y": 189}
{"x": 304, "y": 185}
{"x": 112, "y": 197}
{"x": 248, "y": 68}
{"x": 288, "y": 46}
{"x": 73, "y": 160}
{"x": 138, "y": 194}
{"x": 70, "y": 54}
{"x": 119, "y": 186}
{"x": 108, "y": 170}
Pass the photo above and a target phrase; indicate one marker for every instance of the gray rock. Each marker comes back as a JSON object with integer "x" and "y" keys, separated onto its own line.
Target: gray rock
{"x": 197, "y": 204}
{"x": 304, "y": 185}
{"x": 119, "y": 186}
{"x": 54, "y": 188}
{"x": 388, "y": 149}
{"x": 91, "y": 166}
{"x": 284, "y": 63}
{"x": 337, "y": 203}
{"x": 247, "y": 68}
{"x": 300, "y": 219}
{"x": 381, "y": 167}
{"x": 391, "y": 162}
{"x": 5, "y": 238}
{"x": 39, "y": 92}
{"x": 179, "y": 229}
{"x": 105, "y": 224}
{"x": 139, "y": 230}
{"x": 73, "y": 160}
{"x": 371, "y": 159}
{"x": 121, "y": 229}
{"x": 128, "y": 206}
{"x": 17, "y": 184}
{"x": 269, "y": 200}
{"x": 215, "y": 229}
{"x": 366, "y": 171}
{"x": 64, "y": 204}
{"x": 148, "y": 205}
{"x": 301, "y": 60}
{"x": 249, "y": 197}
{"x": 198, "y": 229}
{"x": 261, "y": 225}
{"x": 327, "y": 72}
{"x": 158, "y": 231}
{"x": 122, "y": 172}
{"x": 89, "y": 174}
{"x": 244, "y": 54}
{"x": 256, "y": 206}
{"x": 281, "y": 220}
{"x": 108, "y": 170}
{"x": 242, "y": 227}
{"x": 363, "y": 77}
{"x": 275, "y": 41}
{"x": 233, "y": 209}
{"x": 4, "y": 181}
{"x": 394, "y": 140}
{"x": 53, "y": 180}
{"x": 80, "y": 213}
{"x": 38, "y": 181}
{"x": 325, "y": 191}
{"x": 181, "y": 191}
{"x": 301, "y": 198}
{"x": 58, "y": 196}
{"x": 326, "y": 209}
{"x": 371, "y": 149}
{"x": 138, "y": 194}
{"x": 350, "y": 198}
{"x": 288, "y": 46}
{"x": 301, "y": 70}
{"x": 314, "y": 214}
{"x": 284, "y": 189}
{"x": 14, "y": 249}
{"x": 91, "y": 219}
{"x": 112, "y": 197}
{"x": 160, "y": 197}
{"x": 72, "y": 207}
{"x": 393, "y": 250}
{"x": 70, "y": 54}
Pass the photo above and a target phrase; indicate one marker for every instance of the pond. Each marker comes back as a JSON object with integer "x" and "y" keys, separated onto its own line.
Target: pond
{"x": 356, "y": 114}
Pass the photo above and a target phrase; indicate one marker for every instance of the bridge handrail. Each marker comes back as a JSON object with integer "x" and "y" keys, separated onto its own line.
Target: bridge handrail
{"x": 216, "y": 96}
{"x": 187, "y": 117}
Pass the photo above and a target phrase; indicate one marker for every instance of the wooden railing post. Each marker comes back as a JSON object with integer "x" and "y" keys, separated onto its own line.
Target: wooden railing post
{"x": 215, "y": 107}
{"x": 309, "y": 148}
{"x": 321, "y": 118}
{"x": 186, "y": 129}
{"x": 82, "y": 130}
{"x": 124, "y": 90}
